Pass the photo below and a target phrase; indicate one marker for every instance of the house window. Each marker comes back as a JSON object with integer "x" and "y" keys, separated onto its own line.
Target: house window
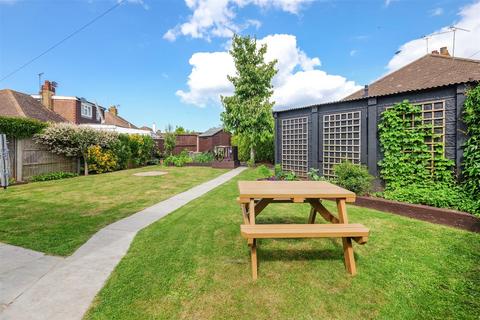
{"x": 86, "y": 110}
{"x": 341, "y": 140}
{"x": 295, "y": 145}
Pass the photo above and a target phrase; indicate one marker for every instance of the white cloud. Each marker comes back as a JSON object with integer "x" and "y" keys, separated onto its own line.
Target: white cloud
{"x": 436, "y": 12}
{"x": 466, "y": 44}
{"x": 216, "y": 18}
{"x": 298, "y": 81}
{"x": 353, "y": 52}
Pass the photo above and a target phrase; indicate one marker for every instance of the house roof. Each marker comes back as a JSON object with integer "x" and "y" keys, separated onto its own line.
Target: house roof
{"x": 430, "y": 71}
{"x": 118, "y": 121}
{"x": 211, "y": 132}
{"x": 17, "y": 104}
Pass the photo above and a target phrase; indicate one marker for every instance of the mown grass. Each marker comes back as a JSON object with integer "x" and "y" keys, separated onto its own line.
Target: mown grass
{"x": 56, "y": 217}
{"x": 193, "y": 264}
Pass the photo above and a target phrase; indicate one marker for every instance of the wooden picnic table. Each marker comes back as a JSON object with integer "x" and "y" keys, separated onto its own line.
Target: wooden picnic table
{"x": 256, "y": 195}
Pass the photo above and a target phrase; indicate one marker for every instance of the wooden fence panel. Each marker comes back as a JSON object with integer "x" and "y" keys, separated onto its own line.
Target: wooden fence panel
{"x": 37, "y": 160}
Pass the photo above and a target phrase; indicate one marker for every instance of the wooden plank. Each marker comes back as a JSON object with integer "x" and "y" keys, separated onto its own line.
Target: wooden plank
{"x": 313, "y": 214}
{"x": 251, "y": 211}
{"x": 253, "y": 250}
{"x": 342, "y": 211}
{"x": 327, "y": 215}
{"x": 348, "y": 256}
{"x": 261, "y": 205}
{"x": 303, "y": 230}
{"x": 245, "y": 214}
{"x": 293, "y": 189}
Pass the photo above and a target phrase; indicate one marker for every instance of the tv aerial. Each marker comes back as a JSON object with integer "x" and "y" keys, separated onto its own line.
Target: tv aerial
{"x": 452, "y": 29}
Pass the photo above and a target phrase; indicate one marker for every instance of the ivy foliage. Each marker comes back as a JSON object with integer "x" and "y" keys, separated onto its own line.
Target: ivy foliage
{"x": 471, "y": 150}
{"x": 21, "y": 128}
{"x": 406, "y": 157}
{"x": 249, "y": 111}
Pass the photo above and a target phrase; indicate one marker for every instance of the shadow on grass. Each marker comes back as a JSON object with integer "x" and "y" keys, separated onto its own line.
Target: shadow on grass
{"x": 299, "y": 254}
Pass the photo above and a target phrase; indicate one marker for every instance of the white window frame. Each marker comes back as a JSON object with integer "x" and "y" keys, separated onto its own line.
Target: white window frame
{"x": 86, "y": 110}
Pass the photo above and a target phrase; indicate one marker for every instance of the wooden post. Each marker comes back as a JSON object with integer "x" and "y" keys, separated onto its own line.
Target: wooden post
{"x": 313, "y": 215}
{"x": 253, "y": 249}
{"x": 347, "y": 242}
{"x": 251, "y": 211}
{"x": 19, "y": 159}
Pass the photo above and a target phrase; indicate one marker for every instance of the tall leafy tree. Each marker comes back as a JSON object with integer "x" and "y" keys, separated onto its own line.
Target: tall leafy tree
{"x": 248, "y": 112}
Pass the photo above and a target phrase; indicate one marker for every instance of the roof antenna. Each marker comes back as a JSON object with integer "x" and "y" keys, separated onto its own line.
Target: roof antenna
{"x": 40, "y": 81}
{"x": 454, "y": 30}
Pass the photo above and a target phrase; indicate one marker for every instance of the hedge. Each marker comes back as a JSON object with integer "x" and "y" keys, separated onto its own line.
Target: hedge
{"x": 21, "y": 128}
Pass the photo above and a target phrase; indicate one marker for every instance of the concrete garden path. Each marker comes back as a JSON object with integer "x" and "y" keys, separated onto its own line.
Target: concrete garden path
{"x": 36, "y": 286}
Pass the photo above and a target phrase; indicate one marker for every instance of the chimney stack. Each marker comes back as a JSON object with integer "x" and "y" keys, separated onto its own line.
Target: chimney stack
{"x": 47, "y": 92}
{"x": 113, "y": 110}
{"x": 444, "y": 51}
{"x": 154, "y": 127}
{"x": 365, "y": 91}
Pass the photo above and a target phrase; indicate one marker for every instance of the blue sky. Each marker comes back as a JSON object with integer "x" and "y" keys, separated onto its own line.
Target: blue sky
{"x": 129, "y": 57}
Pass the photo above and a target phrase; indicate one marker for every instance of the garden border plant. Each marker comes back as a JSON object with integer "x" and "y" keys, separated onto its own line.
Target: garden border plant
{"x": 406, "y": 159}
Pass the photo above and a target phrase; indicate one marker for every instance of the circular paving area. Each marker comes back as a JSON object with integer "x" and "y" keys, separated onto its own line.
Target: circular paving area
{"x": 150, "y": 173}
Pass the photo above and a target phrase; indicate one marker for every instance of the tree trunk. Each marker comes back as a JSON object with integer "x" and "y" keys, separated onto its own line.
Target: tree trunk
{"x": 85, "y": 165}
{"x": 252, "y": 155}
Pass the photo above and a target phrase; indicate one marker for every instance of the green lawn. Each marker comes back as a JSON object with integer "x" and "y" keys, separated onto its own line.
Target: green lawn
{"x": 57, "y": 217}
{"x": 193, "y": 264}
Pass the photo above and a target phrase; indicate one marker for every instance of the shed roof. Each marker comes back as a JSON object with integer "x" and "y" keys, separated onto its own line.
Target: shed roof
{"x": 17, "y": 104}
{"x": 428, "y": 72}
{"x": 211, "y": 132}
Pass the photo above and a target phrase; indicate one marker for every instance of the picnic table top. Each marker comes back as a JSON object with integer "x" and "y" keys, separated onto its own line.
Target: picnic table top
{"x": 293, "y": 189}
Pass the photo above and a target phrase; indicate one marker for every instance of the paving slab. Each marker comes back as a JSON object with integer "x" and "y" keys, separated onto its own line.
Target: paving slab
{"x": 63, "y": 288}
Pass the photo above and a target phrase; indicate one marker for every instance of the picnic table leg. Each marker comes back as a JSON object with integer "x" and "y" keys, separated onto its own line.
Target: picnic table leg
{"x": 313, "y": 215}
{"x": 253, "y": 249}
{"x": 347, "y": 242}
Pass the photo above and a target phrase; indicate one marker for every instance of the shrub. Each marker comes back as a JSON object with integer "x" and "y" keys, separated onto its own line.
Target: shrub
{"x": 101, "y": 161}
{"x": 74, "y": 141}
{"x": 353, "y": 177}
{"x": 278, "y": 171}
{"x": 141, "y": 148}
{"x": 264, "y": 171}
{"x": 205, "y": 157}
{"x": 471, "y": 149}
{"x": 313, "y": 174}
{"x": 264, "y": 150}
{"x": 177, "y": 161}
{"x": 439, "y": 195}
{"x": 53, "y": 176}
{"x": 121, "y": 150}
{"x": 290, "y": 176}
{"x": 21, "y": 128}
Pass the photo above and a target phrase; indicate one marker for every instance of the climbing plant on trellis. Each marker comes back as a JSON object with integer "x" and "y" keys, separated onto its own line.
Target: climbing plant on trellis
{"x": 408, "y": 157}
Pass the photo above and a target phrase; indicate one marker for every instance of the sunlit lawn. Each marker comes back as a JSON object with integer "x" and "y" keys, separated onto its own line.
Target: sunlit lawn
{"x": 193, "y": 264}
{"x": 56, "y": 217}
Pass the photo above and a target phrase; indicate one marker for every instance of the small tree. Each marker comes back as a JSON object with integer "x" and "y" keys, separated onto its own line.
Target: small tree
{"x": 249, "y": 111}
{"x": 170, "y": 140}
{"x": 74, "y": 141}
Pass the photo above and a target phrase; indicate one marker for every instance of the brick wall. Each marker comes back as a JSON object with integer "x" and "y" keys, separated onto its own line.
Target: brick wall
{"x": 66, "y": 108}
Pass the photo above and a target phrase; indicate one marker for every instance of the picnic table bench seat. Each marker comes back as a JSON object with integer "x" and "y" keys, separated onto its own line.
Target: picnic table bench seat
{"x": 356, "y": 231}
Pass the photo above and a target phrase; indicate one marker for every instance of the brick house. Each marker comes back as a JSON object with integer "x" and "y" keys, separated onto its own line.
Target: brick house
{"x": 76, "y": 110}
{"x": 27, "y": 158}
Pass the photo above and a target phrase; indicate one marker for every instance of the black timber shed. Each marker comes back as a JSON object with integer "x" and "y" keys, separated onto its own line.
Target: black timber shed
{"x": 319, "y": 136}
